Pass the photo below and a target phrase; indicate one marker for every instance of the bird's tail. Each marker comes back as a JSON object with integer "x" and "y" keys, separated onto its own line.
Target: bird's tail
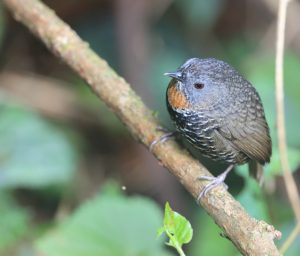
{"x": 256, "y": 171}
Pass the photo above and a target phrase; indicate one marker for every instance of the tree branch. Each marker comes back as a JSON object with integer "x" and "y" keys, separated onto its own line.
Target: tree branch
{"x": 250, "y": 236}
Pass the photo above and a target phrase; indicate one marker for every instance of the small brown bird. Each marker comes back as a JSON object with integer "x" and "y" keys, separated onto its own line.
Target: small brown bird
{"x": 220, "y": 114}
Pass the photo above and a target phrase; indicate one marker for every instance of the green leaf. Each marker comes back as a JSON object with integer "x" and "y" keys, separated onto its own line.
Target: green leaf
{"x": 107, "y": 225}
{"x": 13, "y": 222}
{"x": 33, "y": 153}
{"x": 177, "y": 227}
{"x": 160, "y": 231}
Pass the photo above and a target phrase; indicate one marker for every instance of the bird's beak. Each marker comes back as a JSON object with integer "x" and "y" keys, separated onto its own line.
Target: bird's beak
{"x": 177, "y": 75}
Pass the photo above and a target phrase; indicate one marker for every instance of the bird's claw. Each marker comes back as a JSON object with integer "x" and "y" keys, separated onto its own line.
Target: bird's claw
{"x": 214, "y": 182}
{"x": 162, "y": 139}
{"x": 162, "y": 129}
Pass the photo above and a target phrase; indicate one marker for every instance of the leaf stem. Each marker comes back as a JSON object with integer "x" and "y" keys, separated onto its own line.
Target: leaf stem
{"x": 175, "y": 243}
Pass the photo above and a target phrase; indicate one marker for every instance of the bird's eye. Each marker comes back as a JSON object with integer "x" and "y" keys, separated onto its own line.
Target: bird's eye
{"x": 199, "y": 86}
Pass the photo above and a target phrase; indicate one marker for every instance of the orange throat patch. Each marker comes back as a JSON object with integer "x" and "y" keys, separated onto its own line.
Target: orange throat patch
{"x": 176, "y": 98}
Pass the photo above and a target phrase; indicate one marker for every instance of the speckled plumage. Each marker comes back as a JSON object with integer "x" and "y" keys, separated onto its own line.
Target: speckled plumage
{"x": 225, "y": 119}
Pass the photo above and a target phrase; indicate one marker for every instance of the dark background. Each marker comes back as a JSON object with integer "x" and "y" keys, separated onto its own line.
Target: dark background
{"x": 60, "y": 146}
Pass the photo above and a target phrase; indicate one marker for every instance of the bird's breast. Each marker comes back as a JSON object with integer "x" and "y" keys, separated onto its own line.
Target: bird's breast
{"x": 176, "y": 98}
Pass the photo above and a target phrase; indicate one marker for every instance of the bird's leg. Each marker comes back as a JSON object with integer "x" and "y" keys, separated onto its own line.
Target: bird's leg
{"x": 163, "y": 138}
{"x": 214, "y": 181}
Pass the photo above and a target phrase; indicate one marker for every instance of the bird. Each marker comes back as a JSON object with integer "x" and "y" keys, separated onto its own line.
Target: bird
{"x": 221, "y": 115}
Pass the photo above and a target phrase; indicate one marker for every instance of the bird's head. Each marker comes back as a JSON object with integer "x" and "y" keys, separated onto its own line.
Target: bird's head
{"x": 201, "y": 83}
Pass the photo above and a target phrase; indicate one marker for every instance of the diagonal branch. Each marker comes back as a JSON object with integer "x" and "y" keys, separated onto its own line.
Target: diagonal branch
{"x": 250, "y": 236}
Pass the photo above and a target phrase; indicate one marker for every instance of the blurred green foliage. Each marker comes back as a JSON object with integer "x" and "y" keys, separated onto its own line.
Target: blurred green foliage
{"x": 207, "y": 238}
{"x": 108, "y": 224}
{"x": 14, "y": 222}
{"x": 260, "y": 71}
{"x": 37, "y": 154}
{"x": 253, "y": 199}
{"x": 200, "y": 13}
{"x": 33, "y": 152}
{"x": 110, "y": 122}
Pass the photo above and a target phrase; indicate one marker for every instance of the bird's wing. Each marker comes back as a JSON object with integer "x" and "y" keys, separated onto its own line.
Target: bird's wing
{"x": 248, "y": 132}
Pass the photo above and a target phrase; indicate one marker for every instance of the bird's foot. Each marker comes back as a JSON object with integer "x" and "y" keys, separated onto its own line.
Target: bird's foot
{"x": 163, "y": 138}
{"x": 214, "y": 182}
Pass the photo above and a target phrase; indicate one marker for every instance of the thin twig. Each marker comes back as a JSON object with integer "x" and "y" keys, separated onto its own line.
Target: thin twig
{"x": 287, "y": 243}
{"x": 288, "y": 178}
{"x": 250, "y": 236}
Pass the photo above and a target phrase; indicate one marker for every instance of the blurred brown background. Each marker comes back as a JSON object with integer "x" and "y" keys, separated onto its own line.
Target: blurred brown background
{"x": 59, "y": 145}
